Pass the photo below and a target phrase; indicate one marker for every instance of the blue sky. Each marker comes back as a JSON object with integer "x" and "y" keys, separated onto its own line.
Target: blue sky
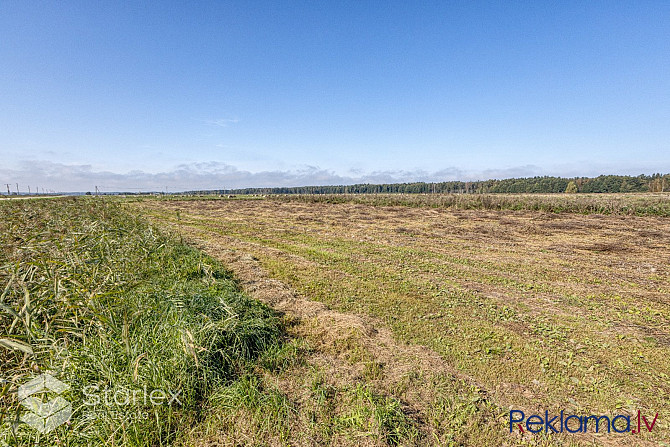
{"x": 231, "y": 94}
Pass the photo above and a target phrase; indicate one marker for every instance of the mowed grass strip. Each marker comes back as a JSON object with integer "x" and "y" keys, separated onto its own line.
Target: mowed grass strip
{"x": 547, "y": 311}
{"x": 99, "y": 298}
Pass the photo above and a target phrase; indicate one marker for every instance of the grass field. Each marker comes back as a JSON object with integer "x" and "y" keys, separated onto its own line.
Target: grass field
{"x": 336, "y": 320}
{"x": 636, "y": 204}
{"x": 525, "y": 309}
{"x": 115, "y": 308}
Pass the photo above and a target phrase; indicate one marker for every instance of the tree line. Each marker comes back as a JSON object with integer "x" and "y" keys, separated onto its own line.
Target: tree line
{"x": 545, "y": 184}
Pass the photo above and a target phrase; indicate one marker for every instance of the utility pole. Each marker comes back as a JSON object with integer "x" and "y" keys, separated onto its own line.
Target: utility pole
{"x": 8, "y": 193}
{"x": 28, "y": 189}
{"x": 17, "y": 189}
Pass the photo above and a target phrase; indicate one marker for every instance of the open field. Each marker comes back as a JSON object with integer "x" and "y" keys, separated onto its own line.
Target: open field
{"x": 647, "y": 204}
{"x": 456, "y": 315}
{"x": 421, "y": 323}
{"x": 642, "y": 204}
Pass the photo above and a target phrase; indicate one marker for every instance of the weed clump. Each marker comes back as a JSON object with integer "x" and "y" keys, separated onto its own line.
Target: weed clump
{"x": 116, "y": 310}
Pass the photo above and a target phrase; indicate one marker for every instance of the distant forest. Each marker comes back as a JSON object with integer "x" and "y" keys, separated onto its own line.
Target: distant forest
{"x": 601, "y": 184}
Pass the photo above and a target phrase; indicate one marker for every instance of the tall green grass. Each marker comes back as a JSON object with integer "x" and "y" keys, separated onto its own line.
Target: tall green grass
{"x": 103, "y": 302}
{"x": 647, "y": 204}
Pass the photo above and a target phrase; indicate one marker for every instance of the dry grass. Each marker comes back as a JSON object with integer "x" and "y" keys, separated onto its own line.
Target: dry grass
{"x": 535, "y": 310}
{"x": 350, "y": 365}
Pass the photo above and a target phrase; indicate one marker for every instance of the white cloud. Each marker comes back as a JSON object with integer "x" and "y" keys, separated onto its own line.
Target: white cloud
{"x": 217, "y": 175}
{"x": 222, "y": 122}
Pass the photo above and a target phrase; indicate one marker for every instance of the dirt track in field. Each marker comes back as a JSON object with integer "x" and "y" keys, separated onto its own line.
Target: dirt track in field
{"x": 330, "y": 334}
{"x": 560, "y": 276}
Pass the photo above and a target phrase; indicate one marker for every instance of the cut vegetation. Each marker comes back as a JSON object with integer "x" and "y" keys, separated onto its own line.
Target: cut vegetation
{"x": 533, "y": 310}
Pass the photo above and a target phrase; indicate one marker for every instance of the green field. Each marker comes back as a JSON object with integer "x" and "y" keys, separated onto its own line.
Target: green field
{"x": 337, "y": 320}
